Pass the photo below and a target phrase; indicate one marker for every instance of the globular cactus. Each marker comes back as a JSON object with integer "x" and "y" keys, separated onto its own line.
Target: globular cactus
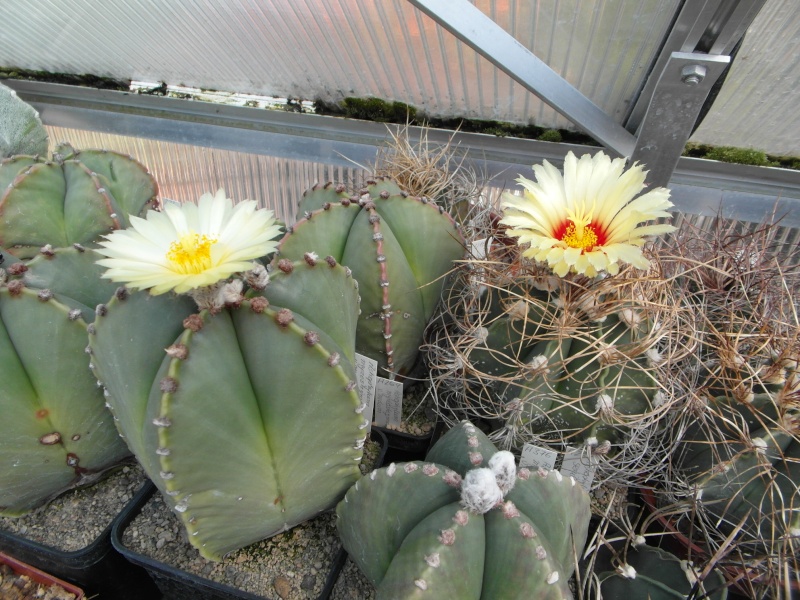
{"x": 74, "y": 198}
{"x": 650, "y": 572}
{"x": 21, "y": 130}
{"x": 56, "y": 432}
{"x": 249, "y": 422}
{"x": 737, "y": 433}
{"x": 465, "y": 524}
{"x": 552, "y": 339}
{"x": 399, "y": 248}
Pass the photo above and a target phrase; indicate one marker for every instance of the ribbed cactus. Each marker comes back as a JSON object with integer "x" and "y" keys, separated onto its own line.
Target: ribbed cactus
{"x": 653, "y": 573}
{"x": 465, "y": 524}
{"x": 56, "y": 432}
{"x": 564, "y": 362}
{"x": 249, "y": 422}
{"x": 21, "y": 130}
{"x": 399, "y": 249}
{"x": 74, "y": 198}
{"x": 744, "y": 463}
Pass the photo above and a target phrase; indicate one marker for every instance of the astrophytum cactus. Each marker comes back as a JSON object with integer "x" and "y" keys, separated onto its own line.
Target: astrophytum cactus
{"x": 74, "y": 198}
{"x": 249, "y": 422}
{"x": 56, "y": 432}
{"x": 399, "y": 248}
{"x": 465, "y": 524}
{"x": 21, "y": 130}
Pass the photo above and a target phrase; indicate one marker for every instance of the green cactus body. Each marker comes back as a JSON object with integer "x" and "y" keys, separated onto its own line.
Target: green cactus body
{"x": 754, "y": 478}
{"x": 250, "y": 424}
{"x": 21, "y": 130}
{"x": 658, "y": 575}
{"x": 399, "y": 249}
{"x": 56, "y": 432}
{"x": 561, "y": 371}
{"x": 74, "y": 198}
{"x": 419, "y": 530}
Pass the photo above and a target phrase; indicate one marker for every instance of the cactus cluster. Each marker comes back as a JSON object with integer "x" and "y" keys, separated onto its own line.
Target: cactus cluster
{"x": 562, "y": 362}
{"x": 399, "y": 248}
{"x": 465, "y": 523}
{"x": 245, "y": 416}
{"x": 737, "y": 436}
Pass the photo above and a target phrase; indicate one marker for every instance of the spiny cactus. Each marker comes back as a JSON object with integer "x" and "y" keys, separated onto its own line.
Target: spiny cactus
{"x": 737, "y": 433}
{"x": 249, "y": 422}
{"x": 55, "y": 433}
{"x": 399, "y": 249}
{"x": 649, "y": 572}
{"x": 74, "y": 198}
{"x": 465, "y": 524}
{"x": 21, "y": 130}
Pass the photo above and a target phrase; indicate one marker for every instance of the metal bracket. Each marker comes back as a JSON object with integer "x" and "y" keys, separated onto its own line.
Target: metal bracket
{"x": 678, "y": 97}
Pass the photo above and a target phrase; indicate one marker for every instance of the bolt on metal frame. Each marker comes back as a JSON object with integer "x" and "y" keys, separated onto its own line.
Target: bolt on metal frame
{"x": 693, "y": 57}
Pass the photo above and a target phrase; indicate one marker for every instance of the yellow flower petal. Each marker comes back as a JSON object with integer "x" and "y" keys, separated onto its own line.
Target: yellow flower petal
{"x": 191, "y": 246}
{"x": 589, "y": 219}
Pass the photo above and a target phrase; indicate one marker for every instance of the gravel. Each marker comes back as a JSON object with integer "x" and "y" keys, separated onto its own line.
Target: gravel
{"x": 290, "y": 566}
{"x": 94, "y": 508}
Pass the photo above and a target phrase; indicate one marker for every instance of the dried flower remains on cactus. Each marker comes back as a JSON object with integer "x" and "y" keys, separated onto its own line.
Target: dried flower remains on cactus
{"x": 588, "y": 220}
{"x": 191, "y": 246}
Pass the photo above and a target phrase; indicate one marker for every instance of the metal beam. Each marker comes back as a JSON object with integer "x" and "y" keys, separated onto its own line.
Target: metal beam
{"x": 471, "y": 26}
{"x": 679, "y": 96}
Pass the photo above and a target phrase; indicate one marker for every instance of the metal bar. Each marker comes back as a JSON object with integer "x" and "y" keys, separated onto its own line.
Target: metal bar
{"x": 677, "y": 100}
{"x": 471, "y": 26}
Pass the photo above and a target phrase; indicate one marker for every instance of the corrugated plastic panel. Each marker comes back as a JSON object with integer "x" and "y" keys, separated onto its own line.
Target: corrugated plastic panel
{"x": 185, "y": 172}
{"x": 759, "y": 104}
{"x": 331, "y": 49}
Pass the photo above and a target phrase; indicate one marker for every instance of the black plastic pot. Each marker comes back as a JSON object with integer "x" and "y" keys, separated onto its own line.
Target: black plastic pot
{"x": 176, "y": 584}
{"x": 98, "y": 569}
{"x": 415, "y": 446}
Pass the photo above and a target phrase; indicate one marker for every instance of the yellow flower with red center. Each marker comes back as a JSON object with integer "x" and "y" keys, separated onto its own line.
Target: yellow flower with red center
{"x": 189, "y": 247}
{"x": 588, "y": 220}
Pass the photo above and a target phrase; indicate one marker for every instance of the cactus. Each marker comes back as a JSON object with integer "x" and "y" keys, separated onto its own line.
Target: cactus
{"x": 465, "y": 524}
{"x": 56, "y": 432}
{"x": 21, "y": 130}
{"x": 399, "y": 249}
{"x": 250, "y": 422}
{"x": 72, "y": 199}
{"x": 649, "y": 572}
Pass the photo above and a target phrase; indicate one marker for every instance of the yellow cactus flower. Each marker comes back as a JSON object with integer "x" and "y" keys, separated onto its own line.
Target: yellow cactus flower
{"x": 590, "y": 219}
{"x": 189, "y": 247}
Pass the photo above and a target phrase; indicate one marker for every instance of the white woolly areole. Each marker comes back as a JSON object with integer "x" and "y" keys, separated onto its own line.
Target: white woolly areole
{"x": 552, "y": 578}
{"x": 627, "y": 571}
{"x": 605, "y": 403}
{"x": 479, "y": 491}
{"x": 505, "y": 470}
{"x": 538, "y": 362}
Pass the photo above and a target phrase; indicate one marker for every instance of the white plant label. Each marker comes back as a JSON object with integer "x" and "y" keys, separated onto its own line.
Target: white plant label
{"x": 366, "y": 374}
{"x": 580, "y": 466}
{"x": 536, "y": 456}
{"x": 388, "y": 402}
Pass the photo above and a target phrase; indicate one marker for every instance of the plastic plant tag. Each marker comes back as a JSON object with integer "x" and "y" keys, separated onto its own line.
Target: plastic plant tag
{"x": 536, "y": 456}
{"x": 366, "y": 374}
{"x": 388, "y": 402}
{"x": 580, "y": 466}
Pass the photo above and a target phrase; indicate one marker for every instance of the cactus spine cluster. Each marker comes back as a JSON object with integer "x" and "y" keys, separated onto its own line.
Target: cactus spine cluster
{"x": 465, "y": 524}
{"x": 249, "y": 422}
{"x": 399, "y": 249}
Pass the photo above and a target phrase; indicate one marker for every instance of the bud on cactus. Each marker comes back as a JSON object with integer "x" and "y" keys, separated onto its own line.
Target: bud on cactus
{"x": 462, "y": 525}
{"x": 399, "y": 249}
